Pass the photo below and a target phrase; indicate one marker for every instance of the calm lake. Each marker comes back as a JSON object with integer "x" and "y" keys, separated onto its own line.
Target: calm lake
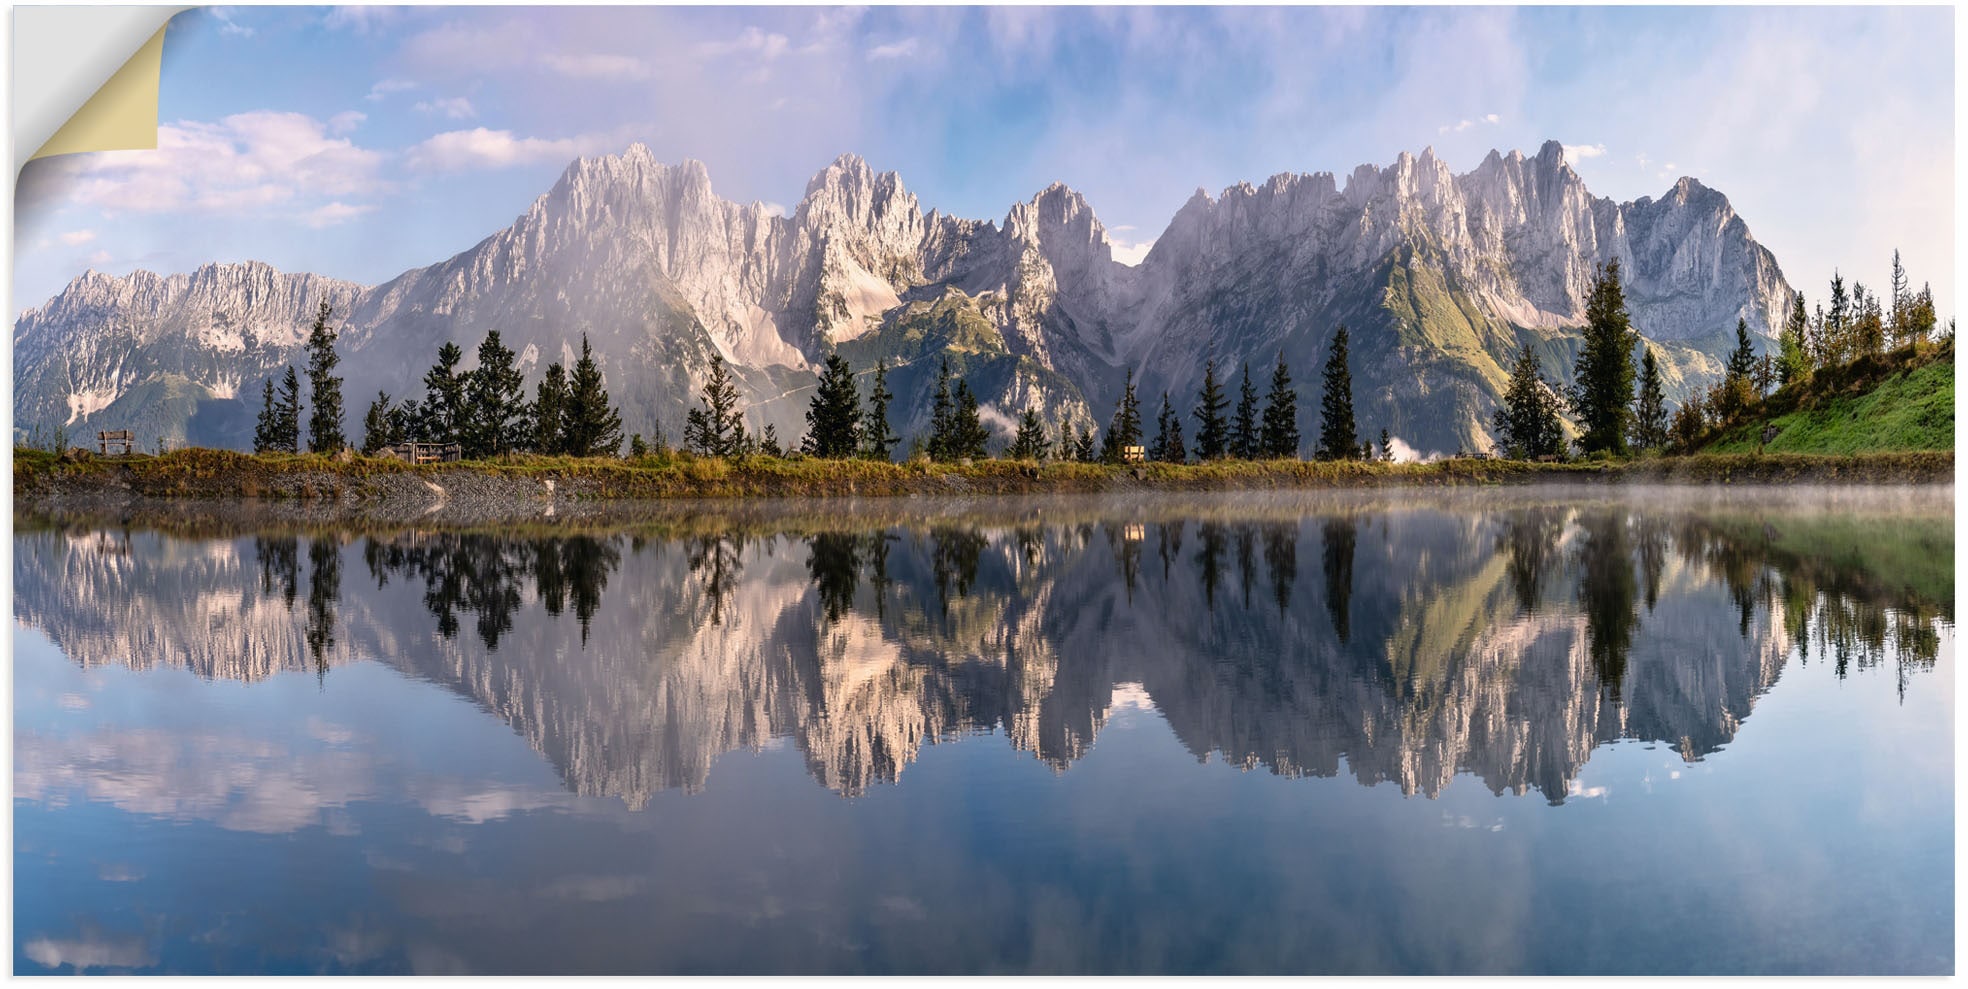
{"x": 1384, "y": 733}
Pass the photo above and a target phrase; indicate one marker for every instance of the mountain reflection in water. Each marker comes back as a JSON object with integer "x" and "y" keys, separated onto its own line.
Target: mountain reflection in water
{"x": 1504, "y": 643}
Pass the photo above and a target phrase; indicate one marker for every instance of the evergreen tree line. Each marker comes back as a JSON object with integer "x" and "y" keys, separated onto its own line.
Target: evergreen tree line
{"x": 1620, "y": 408}
{"x": 484, "y": 410}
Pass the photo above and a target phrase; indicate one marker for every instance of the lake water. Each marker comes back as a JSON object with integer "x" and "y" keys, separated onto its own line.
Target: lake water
{"x": 1395, "y": 733}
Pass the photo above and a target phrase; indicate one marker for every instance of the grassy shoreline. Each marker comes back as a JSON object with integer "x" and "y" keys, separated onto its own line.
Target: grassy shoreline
{"x": 40, "y": 477}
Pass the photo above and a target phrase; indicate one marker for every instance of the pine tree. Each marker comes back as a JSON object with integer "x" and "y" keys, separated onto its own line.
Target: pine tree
{"x": 590, "y": 426}
{"x": 1212, "y": 428}
{"x": 1030, "y": 441}
{"x": 1125, "y": 430}
{"x": 376, "y": 426}
{"x": 833, "y": 419}
{"x": 324, "y": 387}
{"x": 444, "y": 397}
{"x": 495, "y": 403}
{"x": 1742, "y": 360}
{"x": 1649, "y": 429}
{"x": 403, "y": 419}
{"x": 1168, "y": 446}
{"x": 549, "y": 406}
{"x": 1338, "y": 433}
{"x": 1603, "y": 376}
{"x": 942, "y": 418}
{"x": 769, "y": 442}
{"x": 1794, "y": 360}
{"x": 1085, "y": 451}
{"x": 1244, "y": 436}
{"x": 1921, "y": 318}
{"x": 1835, "y": 338}
{"x": 877, "y": 439}
{"x": 266, "y": 430}
{"x": 1279, "y": 435}
{"x": 1527, "y": 425}
{"x": 967, "y": 432}
{"x": 1386, "y": 446}
{"x": 1902, "y": 300}
{"x": 715, "y": 428}
{"x": 288, "y": 415}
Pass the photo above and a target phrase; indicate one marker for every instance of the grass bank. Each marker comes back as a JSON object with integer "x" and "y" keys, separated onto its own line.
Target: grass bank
{"x": 40, "y": 477}
{"x": 1901, "y": 400}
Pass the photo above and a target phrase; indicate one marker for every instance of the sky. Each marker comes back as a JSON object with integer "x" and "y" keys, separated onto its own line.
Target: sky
{"x": 359, "y": 142}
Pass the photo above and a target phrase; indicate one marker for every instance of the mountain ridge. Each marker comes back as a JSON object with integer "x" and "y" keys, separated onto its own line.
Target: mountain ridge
{"x": 1441, "y": 276}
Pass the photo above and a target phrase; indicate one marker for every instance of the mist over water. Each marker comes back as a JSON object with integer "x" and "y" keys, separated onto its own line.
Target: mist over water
{"x": 1441, "y": 732}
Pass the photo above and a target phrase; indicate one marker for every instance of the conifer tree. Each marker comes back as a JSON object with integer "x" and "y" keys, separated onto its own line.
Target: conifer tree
{"x": 495, "y": 403}
{"x": 1085, "y": 451}
{"x": 1835, "y": 337}
{"x": 590, "y": 426}
{"x": 877, "y": 439}
{"x": 716, "y": 428}
{"x": 287, "y": 414}
{"x": 1793, "y": 360}
{"x": 403, "y": 418}
{"x": 324, "y": 387}
{"x": 1386, "y": 446}
{"x": 942, "y": 418}
{"x": 1068, "y": 441}
{"x": 1602, "y": 390}
{"x": 1279, "y": 436}
{"x": 967, "y": 432}
{"x": 1125, "y": 430}
{"x": 1742, "y": 360}
{"x": 1168, "y": 446}
{"x": 1212, "y": 427}
{"x": 549, "y": 402}
{"x": 1338, "y": 434}
{"x": 833, "y": 420}
{"x": 1526, "y": 425}
{"x": 768, "y": 443}
{"x": 1030, "y": 441}
{"x": 1650, "y": 406}
{"x": 1921, "y": 318}
{"x": 444, "y": 397}
{"x": 376, "y": 425}
{"x": 1244, "y": 435}
{"x": 1896, "y": 325}
{"x": 266, "y": 430}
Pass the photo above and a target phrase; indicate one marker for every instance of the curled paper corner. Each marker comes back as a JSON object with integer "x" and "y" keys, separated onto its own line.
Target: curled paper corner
{"x": 122, "y": 115}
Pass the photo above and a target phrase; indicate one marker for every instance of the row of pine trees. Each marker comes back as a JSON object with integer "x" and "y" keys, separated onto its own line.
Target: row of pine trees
{"x": 839, "y": 426}
{"x": 484, "y": 410}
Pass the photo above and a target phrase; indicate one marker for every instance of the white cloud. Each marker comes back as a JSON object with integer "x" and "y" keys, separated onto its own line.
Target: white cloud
{"x": 346, "y": 121}
{"x": 361, "y": 19}
{"x": 226, "y": 24}
{"x": 76, "y": 238}
{"x": 452, "y": 107}
{"x": 905, "y": 48}
{"x": 1131, "y": 253}
{"x": 749, "y": 41}
{"x": 1489, "y": 118}
{"x": 462, "y": 150}
{"x": 1576, "y": 153}
{"x": 1465, "y": 124}
{"x": 597, "y": 66}
{"x": 244, "y": 163}
{"x": 100, "y": 258}
{"x": 334, "y": 213}
{"x": 388, "y": 86}
{"x": 774, "y": 209}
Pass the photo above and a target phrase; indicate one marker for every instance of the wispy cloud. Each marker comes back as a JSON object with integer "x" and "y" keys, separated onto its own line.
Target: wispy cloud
{"x": 452, "y": 107}
{"x": 765, "y": 44}
{"x": 1576, "y": 153}
{"x": 387, "y": 86}
{"x": 1465, "y": 124}
{"x": 227, "y": 26}
{"x": 479, "y": 148}
{"x": 346, "y": 121}
{"x": 76, "y": 238}
{"x": 906, "y": 48}
{"x": 596, "y": 65}
{"x": 334, "y": 213}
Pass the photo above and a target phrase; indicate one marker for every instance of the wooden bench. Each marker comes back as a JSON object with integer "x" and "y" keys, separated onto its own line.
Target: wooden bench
{"x": 122, "y": 438}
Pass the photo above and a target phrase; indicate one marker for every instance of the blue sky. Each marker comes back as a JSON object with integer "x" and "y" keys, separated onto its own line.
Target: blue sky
{"x": 359, "y": 142}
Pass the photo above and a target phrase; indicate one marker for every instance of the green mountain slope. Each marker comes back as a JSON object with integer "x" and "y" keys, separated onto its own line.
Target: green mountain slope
{"x": 1901, "y": 401}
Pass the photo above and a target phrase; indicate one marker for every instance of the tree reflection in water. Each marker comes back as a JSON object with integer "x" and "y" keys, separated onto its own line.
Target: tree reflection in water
{"x": 1503, "y": 645}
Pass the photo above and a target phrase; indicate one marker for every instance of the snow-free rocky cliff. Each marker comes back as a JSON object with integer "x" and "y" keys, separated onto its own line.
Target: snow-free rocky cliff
{"x": 1439, "y": 276}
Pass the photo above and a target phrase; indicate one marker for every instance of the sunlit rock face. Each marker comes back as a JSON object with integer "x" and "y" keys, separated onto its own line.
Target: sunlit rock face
{"x": 1439, "y": 276}
{"x": 1400, "y": 645}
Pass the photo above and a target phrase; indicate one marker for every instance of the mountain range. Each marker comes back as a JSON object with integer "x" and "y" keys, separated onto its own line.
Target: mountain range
{"x": 1439, "y": 277}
